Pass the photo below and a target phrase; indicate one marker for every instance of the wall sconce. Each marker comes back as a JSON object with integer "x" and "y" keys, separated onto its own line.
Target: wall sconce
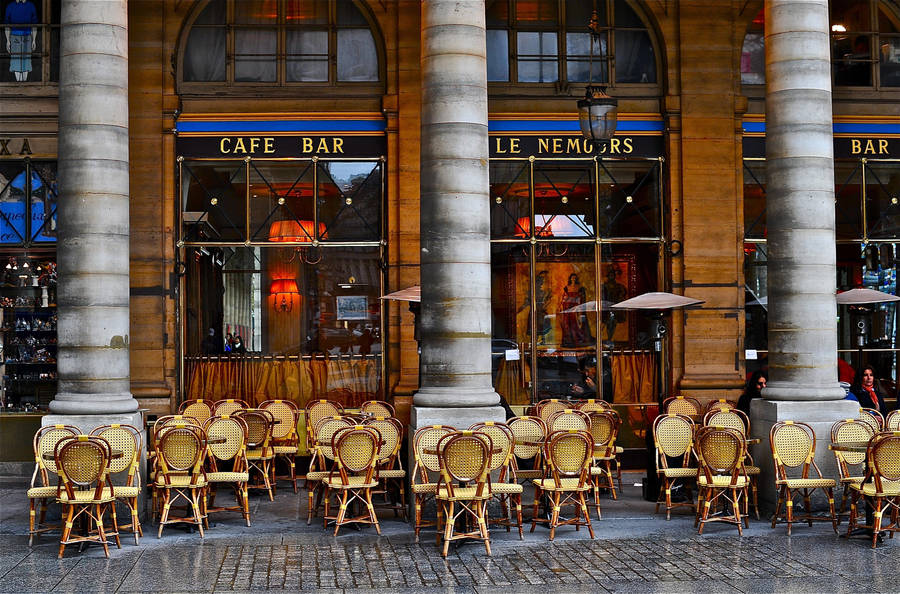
{"x": 302, "y": 231}
{"x": 287, "y": 288}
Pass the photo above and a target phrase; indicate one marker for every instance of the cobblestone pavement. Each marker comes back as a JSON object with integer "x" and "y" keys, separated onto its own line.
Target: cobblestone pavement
{"x": 635, "y": 551}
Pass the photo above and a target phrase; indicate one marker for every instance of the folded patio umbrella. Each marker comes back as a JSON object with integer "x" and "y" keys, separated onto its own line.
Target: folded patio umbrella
{"x": 657, "y": 300}
{"x": 864, "y": 296}
{"x": 413, "y": 293}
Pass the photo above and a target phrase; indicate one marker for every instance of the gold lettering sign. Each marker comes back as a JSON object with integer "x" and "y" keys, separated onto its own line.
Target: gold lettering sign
{"x": 15, "y": 146}
{"x": 869, "y": 146}
{"x": 321, "y": 146}
{"x": 562, "y": 145}
{"x": 254, "y": 145}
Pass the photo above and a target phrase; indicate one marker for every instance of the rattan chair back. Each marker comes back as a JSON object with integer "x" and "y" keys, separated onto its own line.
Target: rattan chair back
{"x": 169, "y": 421}
{"x": 528, "y": 430}
{"x": 502, "y": 439}
{"x": 885, "y": 459}
{"x": 546, "y": 408}
{"x": 872, "y": 417}
{"x": 391, "y": 431}
{"x": 229, "y": 406}
{"x": 425, "y": 440}
{"x": 569, "y": 455}
{"x": 720, "y": 404}
{"x": 592, "y": 405}
{"x": 673, "y": 436}
{"x": 235, "y": 432}
{"x": 604, "y": 429}
{"x": 259, "y": 427}
{"x": 728, "y": 417}
{"x": 568, "y": 418}
{"x": 325, "y": 430}
{"x": 892, "y": 421}
{"x": 45, "y": 441}
{"x": 720, "y": 451}
{"x": 379, "y": 408}
{"x": 287, "y": 413}
{"x": 181, "y": 450}
{"x": 316, "y": 410}
{"x": 83, "y": 462}
{"x": 850, "y": 430}
{"x": 125, "y": 438}
{"x": 682, "y": 405}
{"x": 199, "y": 409}
{"x": 356, "y": 450}
{"x": 793, "y": 445}
{"x": 464, "y": 457}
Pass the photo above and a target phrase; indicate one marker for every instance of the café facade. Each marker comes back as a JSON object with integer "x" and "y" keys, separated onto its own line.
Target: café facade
{"x": 274, "y": 182}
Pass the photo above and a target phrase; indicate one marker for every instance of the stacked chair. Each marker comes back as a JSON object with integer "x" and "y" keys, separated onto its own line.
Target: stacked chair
{"x": 673, "y": 436}
{"x": 227, "y": 462}
{"x": 126, "y": 439}
{"x": 568, "y": 455}
{"x": 464, "y": 458}
{"x": 851, "y": 465}
{"x": 880, "y": 488}
{"x": 285, "y": 439}
{"x": 720, "y": 453}
{"x": 44, "y": 482}
{"x": 737, "y": 419}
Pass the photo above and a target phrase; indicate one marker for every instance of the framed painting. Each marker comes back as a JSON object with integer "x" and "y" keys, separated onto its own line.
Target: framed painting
{"x": 352, "y": 307}
{"x": 619, "y": 277}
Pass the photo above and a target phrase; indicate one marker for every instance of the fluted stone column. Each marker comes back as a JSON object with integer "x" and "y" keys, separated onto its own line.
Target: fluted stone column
{"x": 803, "y": 383}
{"x": 93, "y": 291}
{"x": 455, "y": 322}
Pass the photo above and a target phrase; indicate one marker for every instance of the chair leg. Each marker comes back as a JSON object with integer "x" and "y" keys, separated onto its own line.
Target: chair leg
{"x": 518, "y": 502}
{"x": 135, "y": 521}
{"x": 482, "y": 524}
{"x": 164, "y": 517}
{"x": 807, "y": 507}
{"x": 778, "y": 506}
{"x": 707, "y": 502}
{"x": 834, "y": 519}
{"x": 587, "y": 516}
{"x": 293, "y": 461}
{"x": 668, "y": 486}
{"x": 115, "y": 520}
{"x": 754, "y": 486}
{"x": 877, "y": 518}
{"x": 736, "y": 506}
{"x": 555, "y": 517}
{"x": 31, "y": 514}
{"x": 789, "y": 502}
{"x": 342, "y": 511}
{"x": 372, "y": 515}
{"x": 101, "y": 533}
{"x": 195, "y": 505}
{"x": 534, "y": 508}
{"x": 67, "y": 529}
{"x": 418, "y": 500}
{"x": 448, "y": 528}
{"x": 851, "y": 521}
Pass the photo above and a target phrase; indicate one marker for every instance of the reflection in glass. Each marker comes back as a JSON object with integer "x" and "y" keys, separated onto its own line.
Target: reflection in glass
{"x": 357, "y": 59}
{"x": 213, "y": 198}
{"x": 537, "y": 56}
{"x": 254, "y": 59}
{"x": 307, "y": 55}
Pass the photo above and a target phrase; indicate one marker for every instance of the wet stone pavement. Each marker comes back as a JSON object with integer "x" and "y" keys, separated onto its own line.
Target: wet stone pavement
{"x": 635, "y": 551}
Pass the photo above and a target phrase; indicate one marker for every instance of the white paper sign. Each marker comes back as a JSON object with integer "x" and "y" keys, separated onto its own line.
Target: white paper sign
{"x": 512, "y": 354}
{"x": 750, "y": 354}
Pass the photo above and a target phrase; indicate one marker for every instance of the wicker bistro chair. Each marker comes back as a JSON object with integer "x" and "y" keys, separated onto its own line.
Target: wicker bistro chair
{"x": 389, "y": 469}
{"x": 502, "y": 490}
{"x": 881, "y": 487}
{"x": 464, "y": 458}
{"x": 892, "y": 421}
{"x": 199, "y": 409}
{"x": 568, "y": 454}
{"x": 181, "y": 452}
{"x": 682, "y": 405}
{"x": 425, "y": 443}
{"x": 545, "y": 408}
{"x": 316, "y": 410}
{"x": 285, "y": 439}
{"x": 592, "y": 405}
{"x": 851, "y": 465}
{"x": 356, "y": 455}
{"x": 233, "y": 452}
{"x": 322, "y": 460}
{"x": 260, "y": 454}
{"x": 229, "y": 406}
{"x": 159, "y": 428}
{"x": 568, "y": 418}
{"x": 604, "y": 428}
{"x": 720, "y": 452}
{"x": 673, "y": 436}
{"x": 720, "y": 404}
{"x": 42, "y": 488}
{"x": 127, "y": 439}
{"x": 83, "y": 464}
{"x": 793, "y": 446}
{"x": 379, "y": 408}
{"x": 738, "y": 420}
{"x": 529, "y": 433}
{"x": 873, "y": 417}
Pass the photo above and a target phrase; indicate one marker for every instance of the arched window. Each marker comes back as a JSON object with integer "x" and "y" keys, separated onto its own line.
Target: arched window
{"x": 865, "y": 45}
{"x": 279, "y": 43}
{"x": 547, "y": 41}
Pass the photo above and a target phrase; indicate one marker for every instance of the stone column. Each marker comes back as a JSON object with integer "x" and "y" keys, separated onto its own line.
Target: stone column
{"x": 455, "y": 323}
{"x": 93, "y": 292}
{"x": 803, "y": 384}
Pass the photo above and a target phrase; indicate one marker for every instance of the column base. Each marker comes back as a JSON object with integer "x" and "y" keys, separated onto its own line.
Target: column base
{"x": 93, "y": 404}
{"x": 793, "y": 392}
{"x": 820, "y": 415}
{"x": 452, "y": 397}
{"x": 460, "y": 418}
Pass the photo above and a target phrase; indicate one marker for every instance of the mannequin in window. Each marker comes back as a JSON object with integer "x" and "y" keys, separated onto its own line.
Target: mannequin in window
{"x": 20, "y": 41}
{"x": 574, "y": 326}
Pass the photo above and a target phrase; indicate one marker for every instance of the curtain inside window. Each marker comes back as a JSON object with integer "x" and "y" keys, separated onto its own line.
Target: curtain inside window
{"x": 204, "y": 56}
{"x": 357, "y": 59}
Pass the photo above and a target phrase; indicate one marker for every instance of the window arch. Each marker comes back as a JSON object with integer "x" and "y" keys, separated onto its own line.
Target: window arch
{"x": 547, "y": 41}
{"x": 865, "y": 45}
{"x": 277, "y": 43}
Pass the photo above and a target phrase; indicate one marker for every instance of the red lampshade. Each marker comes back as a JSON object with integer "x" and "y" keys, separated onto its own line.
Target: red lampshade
{"x": 284, "y": 285}
{"x": 524, "y": 228}
{"x": 298, "y": 231}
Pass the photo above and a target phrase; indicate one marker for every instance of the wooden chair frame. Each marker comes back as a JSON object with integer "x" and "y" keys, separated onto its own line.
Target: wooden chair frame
{"x": 720, "y": 452}
{"x": 126, "y": 438}
{"x": 507, "y": 494}
{"x": 673, "y": 437}
{"x": 847, "y": 462}
{"x": 232, "y": 452}
{"x": 464, "y": 457}
{"x": 285, "y": 439}
{"x": 879, "y": 488}
{"x": 567, "y": 481}
{"x": 738, "y": 420}
{"x": 181, "y": 472}
{"x": 353, "y": 476}
{"x": 45, "y": 441}
{"x": 426, "y": 464}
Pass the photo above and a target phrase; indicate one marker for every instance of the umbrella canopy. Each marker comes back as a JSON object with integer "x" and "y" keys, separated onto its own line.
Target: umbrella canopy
{"x": 657, "y": 301}
{"x": 588, "y": 306}
{"x": 413, "y": 293}
{"x": 864, "y": 296}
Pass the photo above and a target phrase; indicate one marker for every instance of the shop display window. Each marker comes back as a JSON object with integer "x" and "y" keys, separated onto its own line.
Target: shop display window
{"x": 30, "y": 50}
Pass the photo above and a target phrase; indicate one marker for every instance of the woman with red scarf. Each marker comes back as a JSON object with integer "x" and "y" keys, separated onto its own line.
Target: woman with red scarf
{"x": 866, "y": 393}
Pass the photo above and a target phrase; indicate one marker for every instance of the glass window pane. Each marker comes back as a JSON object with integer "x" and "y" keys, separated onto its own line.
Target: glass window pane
{"x": 847, "y": 194}
{"x": 578, "y": 13}
{"x": 625, "y": 15}
{"x": 537, "y": 11}
{"x": 307, "y": 55}
{"x": 629, "y": 199}
{"x": 510, "y": 198}
{"x": 852, "y": 15}
{"x": 13, "y": 185}
{"x": 753, "y": 60}
{"x": 306, "y": 12}
{"x": 578, "y": 53}
{"x": 756, "y": 296}
{"x": 204, "y": 56}
{"x": 497, "y": 55}
{"x": 357, "y": 59}
{"x": 888, "y": 21}
{"x": 635, "y": 61}
{"x": 281, "y": 201}
{"x": 349, "y": 199}
{"x": 564, "y": 200}
{"x": 852, "y": 60}
{"x": 890, "y": 62}
{"x": 497, "y": 13}
{"x": 44, "y": 199}
{"x": 534, "y": 43}
{"x": 883, "y": 200}
{"x": 254, "y": 59}
{"x": 511, "y": 317}
{"x": 22, "y": 41}
{"x": 255, "y": 12}
{"x": 213, "y": 14}
{"x": 213, "y": 195}
{"x": 755, "y": 199}
{"x": 348, "y": 14}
